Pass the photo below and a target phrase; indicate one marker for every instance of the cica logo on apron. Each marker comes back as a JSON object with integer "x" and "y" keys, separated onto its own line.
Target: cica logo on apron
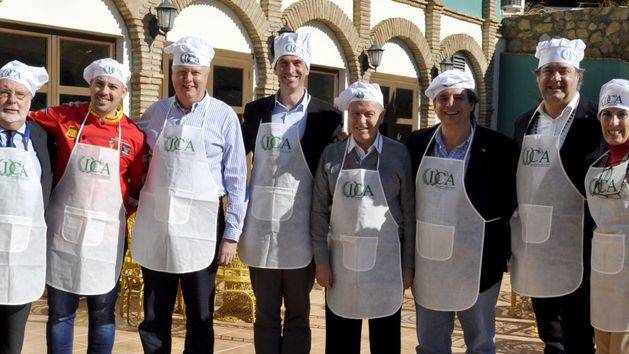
{"x": 174, "y": 143}
{"x": 271, "y": 142}
{"x": 357, "y": 190}
{"x": 535, "y": 157}
{"x": 605, "y": 184}
{"x": 438, "y": 178}
{"x": 10, "y": 168}
{"x": 93, "y": 166}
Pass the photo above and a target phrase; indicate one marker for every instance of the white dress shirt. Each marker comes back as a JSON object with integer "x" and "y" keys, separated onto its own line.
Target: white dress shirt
{"x": 18, "y": 141}
{"x": 546, "y": 125}
{"x": 360, "y": 153}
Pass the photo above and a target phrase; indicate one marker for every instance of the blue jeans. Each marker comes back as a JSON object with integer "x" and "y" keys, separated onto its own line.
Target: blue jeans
{"x": 62, "y": 311}
{"x": 434, "y": 328}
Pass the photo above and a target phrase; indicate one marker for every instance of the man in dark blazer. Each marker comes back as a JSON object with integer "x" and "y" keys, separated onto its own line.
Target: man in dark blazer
{"x": 286, "y": 133}
{"x": 558, "y": 141}
{"x": 25, "y": 182}
{"x": 465, "y": 196}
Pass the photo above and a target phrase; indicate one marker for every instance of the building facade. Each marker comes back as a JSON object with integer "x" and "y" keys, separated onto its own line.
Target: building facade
{"x": 417, "y": 35}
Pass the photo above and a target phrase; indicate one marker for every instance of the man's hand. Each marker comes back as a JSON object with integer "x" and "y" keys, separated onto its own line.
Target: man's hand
{"x": 227, "y": 252}
{"x": 324, "y": 275}
{"x": 407, "y": 277}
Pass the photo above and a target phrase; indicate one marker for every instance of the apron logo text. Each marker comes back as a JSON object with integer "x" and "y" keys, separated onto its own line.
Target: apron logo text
{"x": 356, "y": 190}
{"x": 173, "y": 143}
{"x": 270, "y": 142}
{"x": 92, "y": 166}
{"x": 437, "y": 178}
{"x": 10, "y": 168}
{"x": 536, "y": 157}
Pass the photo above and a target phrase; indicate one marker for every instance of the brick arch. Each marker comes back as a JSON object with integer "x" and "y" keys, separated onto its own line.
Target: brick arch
{"x": 331, "y": 15}
{"x": 464, "y": 43}
{"x": 139, "y": 65}
{"x": 255, "y": 22}
{"x": 411, "y": 35}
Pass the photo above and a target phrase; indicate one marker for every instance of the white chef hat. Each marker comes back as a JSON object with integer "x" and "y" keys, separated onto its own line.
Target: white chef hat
{"x": 359, "y": 91}
{"x": 293, "y": 43}
{"x": 107, "y": 67}
{"x": 453, "y": 78}
{"x": 191, "y": 51}
{"x": 560, "y": 50}
{"x": 31, "y": 77}
{"x": 614, "y": 93}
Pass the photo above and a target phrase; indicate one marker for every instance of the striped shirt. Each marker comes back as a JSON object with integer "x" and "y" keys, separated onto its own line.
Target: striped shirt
{"x": 224, "y": 148}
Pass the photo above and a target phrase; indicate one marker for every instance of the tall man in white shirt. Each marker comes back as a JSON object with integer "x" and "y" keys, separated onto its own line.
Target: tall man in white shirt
{"x": 286, "y": 132}
{"x": 552, "y": 229}
{"x": 181, "y": 233}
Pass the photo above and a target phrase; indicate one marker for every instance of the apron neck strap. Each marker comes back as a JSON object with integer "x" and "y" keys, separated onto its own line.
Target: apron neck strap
{"x": 347, "y": 152}
{"x": 78, "y": 135}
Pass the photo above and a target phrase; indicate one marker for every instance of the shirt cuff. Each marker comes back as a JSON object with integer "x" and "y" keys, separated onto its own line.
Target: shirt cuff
{"x": 232, "y": 234}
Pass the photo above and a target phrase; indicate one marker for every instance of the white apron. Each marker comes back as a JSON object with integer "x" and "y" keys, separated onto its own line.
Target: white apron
{"x": 22, "y": 229}
{"x": 450, "y": 235}
{"x": 86, "y": 221}
{"x": 175, "y": 227}
{"x": 364, "y": 245}
{"x": 547, "y": 227}
{"x": 277, "y": 226}
{"x": 608, "y": 199}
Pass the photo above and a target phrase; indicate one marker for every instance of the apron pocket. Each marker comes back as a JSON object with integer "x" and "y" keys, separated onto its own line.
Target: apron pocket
{"x": 608, "y": 253}
{"x": 435, "y": 242}
{"x": 272, "y": 203}
{"x": 15, "y": 232}
{"x": 536, "y": 222}
{"x": 83, "y": 227}
{"x": 359, "y": 253}
{"x": 175, "y": 209}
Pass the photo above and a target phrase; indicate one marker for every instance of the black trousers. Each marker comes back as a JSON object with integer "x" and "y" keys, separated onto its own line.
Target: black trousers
{"x": 342, "y": 335}
{"x": 270, "y": 287}
{"x": 160, "y": 295}
{"x": 564, "y": 322}
{"x": 12, "y": 324}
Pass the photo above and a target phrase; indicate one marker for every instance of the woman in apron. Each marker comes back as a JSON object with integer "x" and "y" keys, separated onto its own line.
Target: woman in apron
{"x": 608, "y": 199}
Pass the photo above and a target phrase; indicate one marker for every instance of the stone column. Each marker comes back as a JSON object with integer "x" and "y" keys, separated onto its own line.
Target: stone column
{"x": 433, "y": 13}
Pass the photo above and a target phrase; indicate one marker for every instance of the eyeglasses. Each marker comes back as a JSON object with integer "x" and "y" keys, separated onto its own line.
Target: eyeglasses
{"x": 20, "y": 95}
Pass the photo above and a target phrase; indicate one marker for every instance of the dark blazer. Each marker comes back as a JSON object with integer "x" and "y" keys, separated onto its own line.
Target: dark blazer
{"x": 581, "y": 147}
{"x": 322, "y": 126}
{"x": 42, "y": 144}
{"x": 582, "y": 142}
{"x": 490, "y": 185}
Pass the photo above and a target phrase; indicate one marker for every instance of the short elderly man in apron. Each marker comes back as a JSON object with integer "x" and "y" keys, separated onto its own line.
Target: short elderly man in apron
{"x": 363, "y": 228}
{"x": 25, "y": 182}
{"x": 552, "y": 230}
{"x": 286, "y": 132}
{"x": 181, "y": 234}
{"x": 607, "y": 188}
{"x": 100, "y": 164}
{"x": 465, "y": 195}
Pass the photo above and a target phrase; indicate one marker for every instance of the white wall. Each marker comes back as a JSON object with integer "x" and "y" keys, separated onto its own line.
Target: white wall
{"x": 79, "y": 17}
{"x": 451, "y": 25}
{"x": 397, "y": 60}
{"x": 225, "y": 32}
{"x": 326, "y": 49}
{"x": 384, "y": 9}
{"x": 346, "y": 5}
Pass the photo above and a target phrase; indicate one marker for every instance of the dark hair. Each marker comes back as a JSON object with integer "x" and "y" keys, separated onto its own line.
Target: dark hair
{"x": 472, "y": 98}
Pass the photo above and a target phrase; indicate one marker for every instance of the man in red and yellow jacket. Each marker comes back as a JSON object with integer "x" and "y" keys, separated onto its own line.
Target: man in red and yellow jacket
{"x": 100, "y": 163}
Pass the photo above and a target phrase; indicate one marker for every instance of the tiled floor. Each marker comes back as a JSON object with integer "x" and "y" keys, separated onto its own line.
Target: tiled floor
{"x": 514, "y": 335}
